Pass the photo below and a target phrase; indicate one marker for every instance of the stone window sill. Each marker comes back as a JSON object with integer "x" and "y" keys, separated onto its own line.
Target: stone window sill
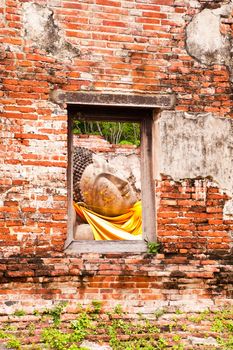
{"x": 106, "y": 247}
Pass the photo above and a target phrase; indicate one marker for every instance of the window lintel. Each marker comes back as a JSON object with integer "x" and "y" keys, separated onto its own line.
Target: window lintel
{"x": 165, "y": 101}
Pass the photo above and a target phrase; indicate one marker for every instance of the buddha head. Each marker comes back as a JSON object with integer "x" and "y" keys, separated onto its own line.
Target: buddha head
{"x": 97, "y": 185}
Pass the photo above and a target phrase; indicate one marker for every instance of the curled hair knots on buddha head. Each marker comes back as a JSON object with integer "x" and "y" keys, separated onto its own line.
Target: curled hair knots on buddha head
{"x": 82, "y": 157}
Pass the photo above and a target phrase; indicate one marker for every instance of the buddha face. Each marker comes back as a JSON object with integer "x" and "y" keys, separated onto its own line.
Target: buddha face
{"x": 103, "y": 191}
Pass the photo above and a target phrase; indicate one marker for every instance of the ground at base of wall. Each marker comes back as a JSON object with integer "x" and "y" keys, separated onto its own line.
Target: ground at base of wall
{"x": 93, "y": 328}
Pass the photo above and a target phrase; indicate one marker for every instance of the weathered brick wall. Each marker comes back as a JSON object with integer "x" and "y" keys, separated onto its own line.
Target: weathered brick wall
{"x": 98, "y": 144}
{"x": 190, "y": 217}
{"x": 141, "y": 284}
{"x": 152, "y": 47}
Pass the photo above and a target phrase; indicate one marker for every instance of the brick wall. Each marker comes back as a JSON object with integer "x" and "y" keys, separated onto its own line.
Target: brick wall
{"x": 98, "y": 144}
{"x": 190, "y": 217}
{"x": 138, "y": 283}
{"x": 118, "y": 46}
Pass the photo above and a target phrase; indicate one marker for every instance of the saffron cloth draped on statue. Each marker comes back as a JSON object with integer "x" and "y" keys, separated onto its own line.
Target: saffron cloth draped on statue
{"x": 127, "y": 226}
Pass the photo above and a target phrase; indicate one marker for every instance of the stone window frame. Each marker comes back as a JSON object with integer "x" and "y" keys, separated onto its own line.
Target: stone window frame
{"x": 118, "y": 107}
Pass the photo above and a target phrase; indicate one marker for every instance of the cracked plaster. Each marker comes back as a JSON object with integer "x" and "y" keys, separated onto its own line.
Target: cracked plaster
{"x": 42, "y": 31}
{"x": 196, "y": 146}
{"x": 204, "y": 40}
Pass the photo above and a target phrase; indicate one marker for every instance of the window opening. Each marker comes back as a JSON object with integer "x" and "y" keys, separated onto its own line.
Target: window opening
{"x": 106, "y": 193}
{"x": 106, "y": 180}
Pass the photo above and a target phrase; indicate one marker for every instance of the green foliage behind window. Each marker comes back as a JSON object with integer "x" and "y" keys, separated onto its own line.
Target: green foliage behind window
{"x": 114, "y": 132}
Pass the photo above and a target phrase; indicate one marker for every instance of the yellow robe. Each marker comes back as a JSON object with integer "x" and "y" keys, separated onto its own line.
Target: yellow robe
{"x": 127, "y": 226}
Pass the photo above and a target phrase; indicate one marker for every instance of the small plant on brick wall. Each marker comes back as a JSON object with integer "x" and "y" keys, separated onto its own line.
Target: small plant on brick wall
{"x": 97, "y": 306}
{"x": 153, "y": 247}
{"x": 56, "y": 312}
{"x": 19, "y": 313}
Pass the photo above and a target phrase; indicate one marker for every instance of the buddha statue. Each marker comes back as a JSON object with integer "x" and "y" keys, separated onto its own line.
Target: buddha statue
{"x": 98, "y": 190}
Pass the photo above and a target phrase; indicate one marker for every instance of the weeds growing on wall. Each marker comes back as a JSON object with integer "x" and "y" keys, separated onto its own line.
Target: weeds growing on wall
{"x": 52, "y": 331}
{"x": 153, "y": 247}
